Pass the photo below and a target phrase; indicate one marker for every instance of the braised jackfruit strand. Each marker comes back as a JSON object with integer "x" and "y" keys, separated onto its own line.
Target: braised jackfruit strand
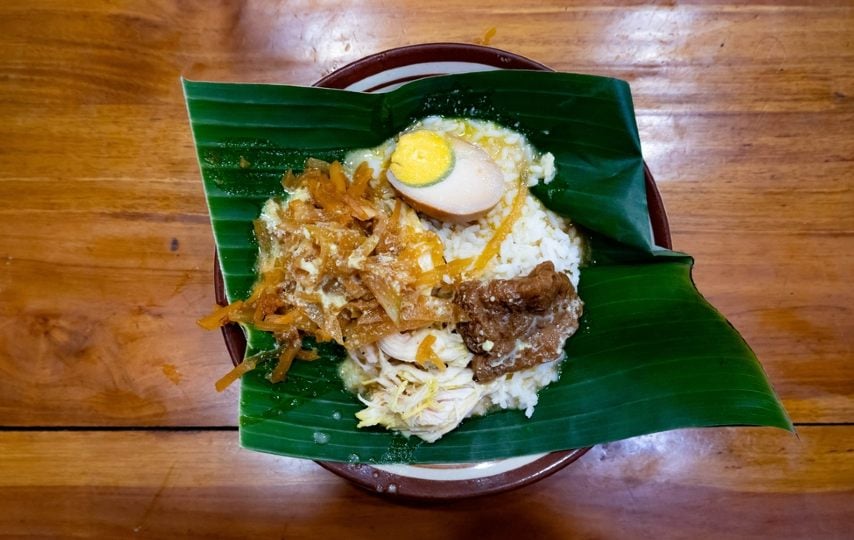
{"x": 340, "y": 259}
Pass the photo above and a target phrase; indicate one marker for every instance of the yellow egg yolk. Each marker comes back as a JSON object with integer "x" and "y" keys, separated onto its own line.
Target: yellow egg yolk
{"x": 421, "y": 158}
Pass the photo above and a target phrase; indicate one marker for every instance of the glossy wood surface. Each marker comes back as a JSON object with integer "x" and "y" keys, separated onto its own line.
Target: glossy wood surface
{"x": 745, "y": 112}
{"x": 739, "y": 483}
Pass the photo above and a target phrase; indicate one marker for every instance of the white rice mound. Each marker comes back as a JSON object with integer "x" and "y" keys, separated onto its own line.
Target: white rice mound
{"x": 400, "y": 395}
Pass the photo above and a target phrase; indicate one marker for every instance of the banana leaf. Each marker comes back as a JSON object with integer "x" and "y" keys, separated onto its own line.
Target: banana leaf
{"x": 651, "y": 354}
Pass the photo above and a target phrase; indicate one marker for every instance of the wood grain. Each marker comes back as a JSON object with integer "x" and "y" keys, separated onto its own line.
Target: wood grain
{"x": 674, "y": 485}
{"x": 745, "y": 113}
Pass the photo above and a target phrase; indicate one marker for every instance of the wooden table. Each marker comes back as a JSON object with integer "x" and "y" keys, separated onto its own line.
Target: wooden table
{"x": 110, "y": 425}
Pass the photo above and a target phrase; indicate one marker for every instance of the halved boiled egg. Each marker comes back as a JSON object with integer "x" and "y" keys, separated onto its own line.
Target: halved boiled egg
{"x": 445, "y": 177}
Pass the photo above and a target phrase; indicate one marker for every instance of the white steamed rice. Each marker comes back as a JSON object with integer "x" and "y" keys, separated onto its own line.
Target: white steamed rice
{"x": 428, "y": 404}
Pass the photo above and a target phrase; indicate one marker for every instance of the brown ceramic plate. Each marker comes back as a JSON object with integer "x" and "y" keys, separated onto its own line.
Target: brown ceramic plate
{"x": 383, "y": 72}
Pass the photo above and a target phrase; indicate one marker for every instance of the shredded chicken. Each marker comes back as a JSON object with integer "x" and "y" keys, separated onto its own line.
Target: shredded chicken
{"x": 341, "y": 259}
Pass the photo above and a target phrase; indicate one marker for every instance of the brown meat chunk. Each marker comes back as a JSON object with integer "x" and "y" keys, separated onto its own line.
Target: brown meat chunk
{"x": 522, "y": 321}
